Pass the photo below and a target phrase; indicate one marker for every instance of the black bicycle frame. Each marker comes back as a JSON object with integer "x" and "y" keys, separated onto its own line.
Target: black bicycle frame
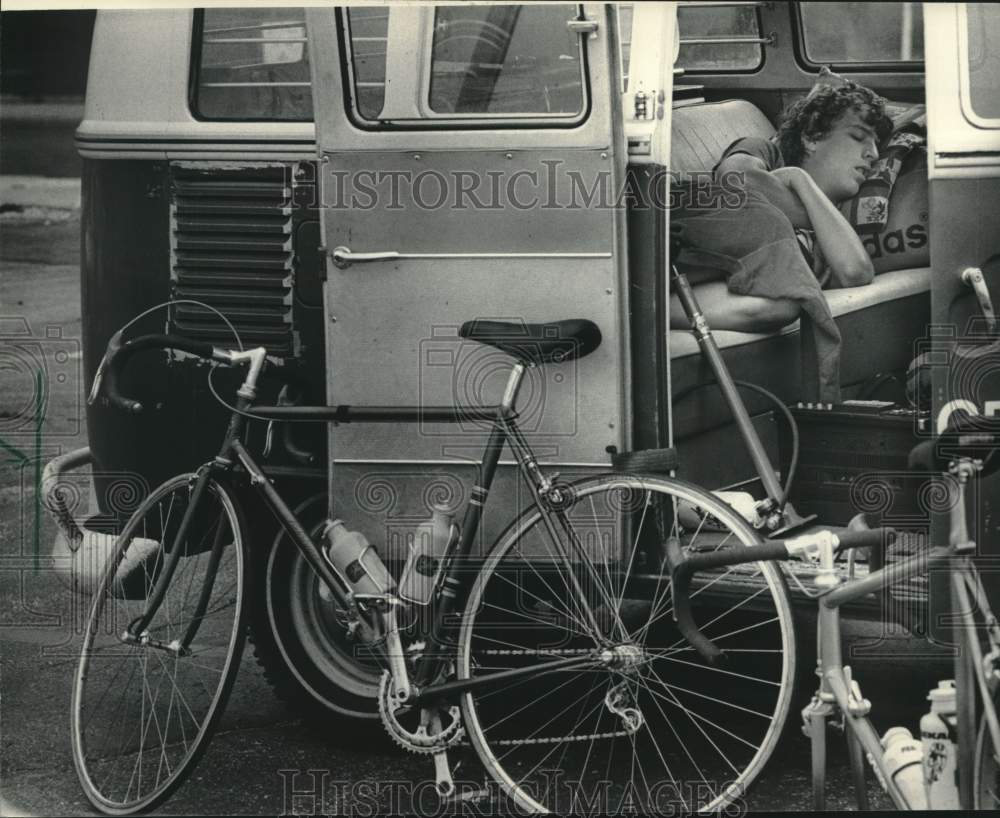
{"x": 503, "y": 430}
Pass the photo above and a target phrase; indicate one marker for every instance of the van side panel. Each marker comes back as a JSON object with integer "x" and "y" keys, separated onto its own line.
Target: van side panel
{"x": 124, "y": 258}
{"x": 127, "y": 254}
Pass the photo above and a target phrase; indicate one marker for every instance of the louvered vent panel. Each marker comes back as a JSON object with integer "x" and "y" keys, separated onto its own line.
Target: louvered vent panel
{"x": 231, "y": 247}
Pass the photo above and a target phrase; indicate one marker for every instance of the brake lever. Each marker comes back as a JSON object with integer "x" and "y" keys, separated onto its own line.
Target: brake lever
{"x": 114, "y": 344}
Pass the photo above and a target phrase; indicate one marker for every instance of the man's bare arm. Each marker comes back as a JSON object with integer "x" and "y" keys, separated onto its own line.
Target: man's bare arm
{"x": 793, "y": 191}
{"x": 758, "y": 178}
{"x": 849, "y": 262}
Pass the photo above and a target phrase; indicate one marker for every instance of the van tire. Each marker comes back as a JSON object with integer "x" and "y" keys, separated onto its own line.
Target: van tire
{"x": 304, "y": 653}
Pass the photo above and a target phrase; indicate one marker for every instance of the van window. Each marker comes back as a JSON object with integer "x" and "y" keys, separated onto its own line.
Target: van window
{"x": 496, "y": 61}
{"x": 251, "y": 64}
{"x": 624, "y": 11}
{"x": 982, "y": 26}
{"x": 700, "y": 22}
{"x": 369, "y": 29}
{"x": 843, "y": 33}
{"x": 505, "y": 59}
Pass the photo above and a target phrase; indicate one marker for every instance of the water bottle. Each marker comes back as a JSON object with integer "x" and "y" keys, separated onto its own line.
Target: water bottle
{"x": 869, "y": 209}
{"x": 356, "y": 560}
{"x": 903, "y": 758}
{"x": 430, "y": 542}
{"x": 938, "y": 732}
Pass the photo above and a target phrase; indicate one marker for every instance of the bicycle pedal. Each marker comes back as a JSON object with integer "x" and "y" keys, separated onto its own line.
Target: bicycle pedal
{"x": 464, "y": 796}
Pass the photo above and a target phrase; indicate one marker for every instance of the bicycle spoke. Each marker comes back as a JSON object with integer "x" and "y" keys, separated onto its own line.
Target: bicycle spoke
{"x": 142, "y": 713}
{"x": 506, "y": 689}
{"x": 680, "y": 741}
{"x": 687, "y": 723}
{"x": 555, "y": 593}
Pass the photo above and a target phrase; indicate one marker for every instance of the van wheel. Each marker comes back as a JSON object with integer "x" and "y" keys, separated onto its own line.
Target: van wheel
{"x": 301, "y": 642}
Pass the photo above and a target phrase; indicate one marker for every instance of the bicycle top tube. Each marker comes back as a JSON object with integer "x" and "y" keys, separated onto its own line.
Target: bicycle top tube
{"x": 345, "y": 413}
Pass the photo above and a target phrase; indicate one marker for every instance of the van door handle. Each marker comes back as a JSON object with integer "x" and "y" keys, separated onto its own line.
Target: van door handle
{"x": 343, "y": 257}
{"x": 973, "y": 277}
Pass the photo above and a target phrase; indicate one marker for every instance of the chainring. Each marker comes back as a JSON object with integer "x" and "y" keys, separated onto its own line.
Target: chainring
{"x": 421, "y": 738}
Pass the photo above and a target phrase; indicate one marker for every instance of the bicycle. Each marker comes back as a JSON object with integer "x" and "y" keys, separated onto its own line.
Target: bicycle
{"x": 556, "y": 654}
{"x": 839, "y": 699}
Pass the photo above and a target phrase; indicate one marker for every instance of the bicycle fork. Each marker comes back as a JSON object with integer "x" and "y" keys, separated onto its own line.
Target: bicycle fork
{"x": 839, "y": 701}
{"x": 136, "y": 633}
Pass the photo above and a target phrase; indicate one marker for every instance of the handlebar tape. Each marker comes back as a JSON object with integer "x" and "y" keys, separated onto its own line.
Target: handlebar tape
{"x": 873, "y": 538}
{"x": 681, "y": 580}
{"x": 120, "y": 356}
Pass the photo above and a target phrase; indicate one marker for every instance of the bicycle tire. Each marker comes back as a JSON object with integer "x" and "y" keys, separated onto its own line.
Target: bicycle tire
{"x": 986, "y": 782}
{"x": 972, "y": 613}
{"x": 517, "y": 611}
{"x": 142, "y": 716}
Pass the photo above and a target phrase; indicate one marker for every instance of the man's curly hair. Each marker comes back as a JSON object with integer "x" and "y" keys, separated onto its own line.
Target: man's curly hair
{"x": 813, "y": 116}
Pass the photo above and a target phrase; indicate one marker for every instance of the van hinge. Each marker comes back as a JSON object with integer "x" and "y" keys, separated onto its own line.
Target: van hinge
{"x": 322, "y": 267}
{"x": 583, "y": 27}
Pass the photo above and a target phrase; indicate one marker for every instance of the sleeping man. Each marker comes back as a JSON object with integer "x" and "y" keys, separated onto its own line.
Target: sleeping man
{"x": 825, "y": 147}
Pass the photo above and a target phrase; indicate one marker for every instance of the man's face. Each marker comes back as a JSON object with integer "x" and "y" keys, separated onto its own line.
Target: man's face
{"x": 842, "y": 158}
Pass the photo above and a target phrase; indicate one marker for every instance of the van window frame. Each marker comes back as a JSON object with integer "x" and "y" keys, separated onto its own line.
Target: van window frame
{"x": 805, "y": 62}
{"x": 965, "y": 76}
{"x": 743, "y": 72}
{"x": 194, "y": 80}
{"x": 461, "y": 122}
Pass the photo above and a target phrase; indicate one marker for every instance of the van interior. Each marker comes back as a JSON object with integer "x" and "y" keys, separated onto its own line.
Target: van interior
{"x": 739, "y": 66}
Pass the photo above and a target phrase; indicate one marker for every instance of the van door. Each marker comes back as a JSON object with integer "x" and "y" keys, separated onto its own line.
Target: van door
{"x": 962, "y": 44}
{"x": 469, "y": 160}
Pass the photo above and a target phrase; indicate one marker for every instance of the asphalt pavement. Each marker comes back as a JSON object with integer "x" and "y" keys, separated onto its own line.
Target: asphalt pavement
{"x": 264, "y": 760}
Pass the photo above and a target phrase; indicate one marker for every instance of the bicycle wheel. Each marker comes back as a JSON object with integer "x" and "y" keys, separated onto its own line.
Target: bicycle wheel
{"x": 656, "y": 729}
{"x": 976, "y": 632}
{"x": 986, "y": 792}
{"x": 143, "y": 714}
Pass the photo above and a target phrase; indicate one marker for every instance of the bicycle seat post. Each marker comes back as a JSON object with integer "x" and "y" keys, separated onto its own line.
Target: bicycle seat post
{"x": 512, "y": 388}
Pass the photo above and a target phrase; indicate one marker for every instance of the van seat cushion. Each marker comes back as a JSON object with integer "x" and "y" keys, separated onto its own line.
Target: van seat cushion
{"x": 700, "y": 133}
{"x": 878, "y": 322}
{"x": 886, "y": 287}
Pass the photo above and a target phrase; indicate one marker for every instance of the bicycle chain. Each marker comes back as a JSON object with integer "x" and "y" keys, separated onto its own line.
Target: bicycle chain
{"x": 535, "y": 652}
{"x": 559, "y": 739}
{"x": 555, "y": 739}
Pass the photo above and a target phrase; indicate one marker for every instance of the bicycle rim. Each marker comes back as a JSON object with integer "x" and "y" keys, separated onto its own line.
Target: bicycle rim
{"x": 659, "y": 730}
{"x": 142, "y": 715}
{"x": 986, "y": 792}
{"x": 977, "y": 757}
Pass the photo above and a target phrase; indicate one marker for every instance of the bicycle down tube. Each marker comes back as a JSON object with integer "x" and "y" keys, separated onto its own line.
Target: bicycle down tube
{"x": 504, "y": 430}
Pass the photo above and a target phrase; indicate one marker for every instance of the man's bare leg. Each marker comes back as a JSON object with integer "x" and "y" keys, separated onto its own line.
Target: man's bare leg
{"x": 744, "y": 313}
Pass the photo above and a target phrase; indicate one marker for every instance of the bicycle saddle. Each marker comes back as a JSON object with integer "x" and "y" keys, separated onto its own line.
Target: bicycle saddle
{"x": 553, "y": 342}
